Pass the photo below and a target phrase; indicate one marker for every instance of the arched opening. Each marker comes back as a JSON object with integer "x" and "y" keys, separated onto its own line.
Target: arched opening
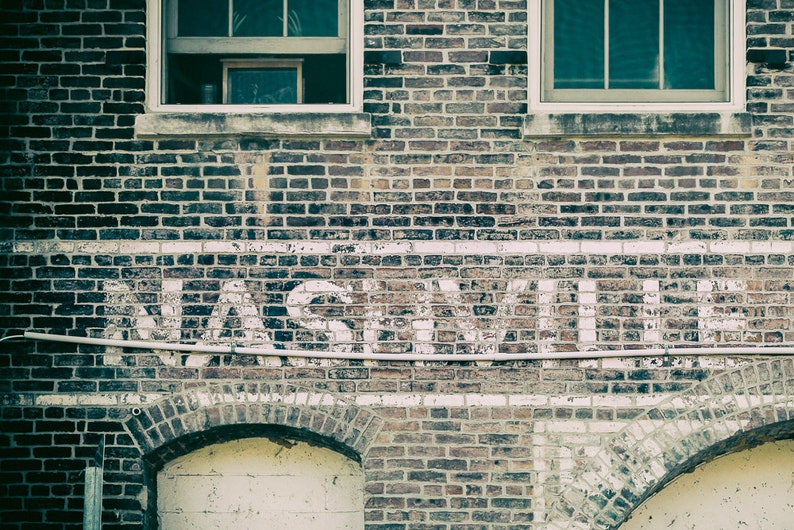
{"x": 732, "y": 411}
{"x": 753, "y": 488}
{"x": 267, "y": 477}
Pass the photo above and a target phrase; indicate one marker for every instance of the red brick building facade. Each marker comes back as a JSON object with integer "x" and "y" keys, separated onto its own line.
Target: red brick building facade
{"x": 457, "y": 206}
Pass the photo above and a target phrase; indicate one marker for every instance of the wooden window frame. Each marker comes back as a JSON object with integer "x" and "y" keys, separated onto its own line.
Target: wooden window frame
{"x": 728, "y": 95}
{"x": 162, "y": 39}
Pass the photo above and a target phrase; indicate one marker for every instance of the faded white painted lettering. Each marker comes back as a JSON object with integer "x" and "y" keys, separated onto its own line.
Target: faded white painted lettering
{"x": 425, "y": 316}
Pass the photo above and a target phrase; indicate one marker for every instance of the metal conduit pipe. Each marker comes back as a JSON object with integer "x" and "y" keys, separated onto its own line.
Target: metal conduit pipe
{"x": 233, "y": 349}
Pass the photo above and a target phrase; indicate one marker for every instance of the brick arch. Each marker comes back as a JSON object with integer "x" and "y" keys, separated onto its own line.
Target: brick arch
{"x": 731, "y": 411}
{"x": 246, "y": 408}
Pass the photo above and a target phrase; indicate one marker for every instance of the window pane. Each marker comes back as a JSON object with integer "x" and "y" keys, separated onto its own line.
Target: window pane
{"x": 203, "y": 38}
{"x": 188, "y": 73}
{"x": 325, "y": 79}
{"x": 634, "y": 44}
{"x": 324, "y": 76}
{"x": 203, "y": 18}
{"x": 689, "y": 44}
{"x": 258, "y": 18}
{"x": 578, "y": 44}
{"x": 313, "y": 18}
{"x": 263, "y": 86}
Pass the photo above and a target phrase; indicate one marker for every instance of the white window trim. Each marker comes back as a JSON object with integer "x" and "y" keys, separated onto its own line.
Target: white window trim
{"x": 736, "y": 80}
{"x": 155, "y": 72}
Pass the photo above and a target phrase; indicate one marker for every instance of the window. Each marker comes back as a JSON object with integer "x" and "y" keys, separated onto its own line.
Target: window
{"x": 221, "y": 55}
{"x": 613, "y": 54}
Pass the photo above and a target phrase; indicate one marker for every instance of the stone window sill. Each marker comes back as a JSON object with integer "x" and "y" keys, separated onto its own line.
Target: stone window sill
{"x": 638, "y": 124}
{"x": 216, "y": 124}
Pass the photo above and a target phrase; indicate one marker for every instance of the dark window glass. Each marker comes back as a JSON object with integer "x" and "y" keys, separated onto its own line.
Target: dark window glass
{"x": 634, "y": 44}
{"x": 689, "y": 44}
{"x": 203, "y": 18}
{"x": 578, "y": 44}
{"x": 194, "y": 68}
{"x": 258, "y": 18}
{"x": 271, "y": 86}
{"x": 324, "y": 78}
{"x": 313, "y": 18}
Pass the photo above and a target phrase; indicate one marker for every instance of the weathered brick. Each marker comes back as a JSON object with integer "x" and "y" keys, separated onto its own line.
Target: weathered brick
{"x": 447, "y": 230}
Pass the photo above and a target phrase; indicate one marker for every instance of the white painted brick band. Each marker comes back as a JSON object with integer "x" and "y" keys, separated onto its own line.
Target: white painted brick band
{"x": 413, "y": 247}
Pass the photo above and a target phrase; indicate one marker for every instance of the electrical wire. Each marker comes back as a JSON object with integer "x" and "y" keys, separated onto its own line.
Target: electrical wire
{"x": 234, "y": 349}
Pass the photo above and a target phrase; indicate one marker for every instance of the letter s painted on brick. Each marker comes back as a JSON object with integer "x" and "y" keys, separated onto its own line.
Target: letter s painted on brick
{"x": 298, "y": 303}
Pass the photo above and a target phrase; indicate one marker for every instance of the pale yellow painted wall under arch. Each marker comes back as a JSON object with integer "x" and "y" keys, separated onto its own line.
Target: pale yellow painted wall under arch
{"x": 752, "y": 489}
{"x": 256, "y": 483}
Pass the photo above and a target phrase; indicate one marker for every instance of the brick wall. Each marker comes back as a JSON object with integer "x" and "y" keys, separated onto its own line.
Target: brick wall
{"x": 449, "y": 230}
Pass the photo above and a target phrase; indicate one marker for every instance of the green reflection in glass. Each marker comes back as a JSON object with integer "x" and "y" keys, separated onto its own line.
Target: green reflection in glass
{"x": 313, "y": 18}
{"x": 689, "y": 44}
{"x": 258, "y": 18}
{"x": 578, "y": 44}
{"x": 203, "y": 18}
{"x": 634, "y": 44}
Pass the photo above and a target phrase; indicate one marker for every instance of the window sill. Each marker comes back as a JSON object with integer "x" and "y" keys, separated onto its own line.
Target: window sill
{"x": 277, "y": 125}
{"x": 638, "y": 124}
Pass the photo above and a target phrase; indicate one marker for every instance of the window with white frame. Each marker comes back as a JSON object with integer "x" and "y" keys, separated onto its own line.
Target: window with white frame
{"x": 638, "y": 52}
{"x": 222, "y": 54}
